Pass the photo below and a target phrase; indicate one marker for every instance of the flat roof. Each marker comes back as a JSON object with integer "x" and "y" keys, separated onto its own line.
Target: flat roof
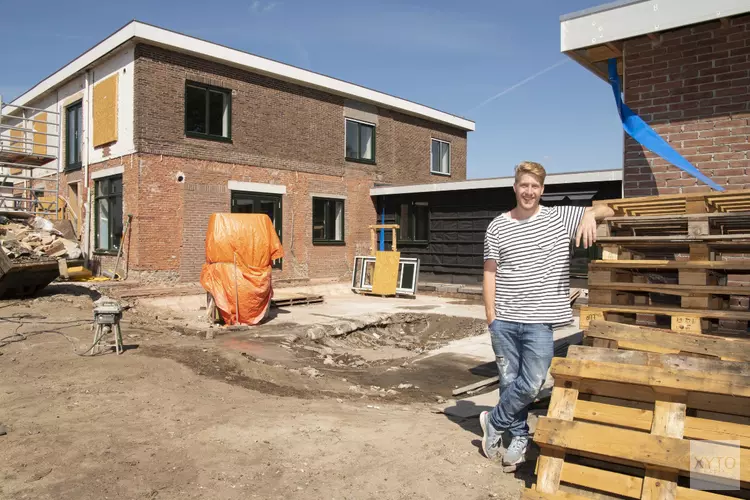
{"x": 497, "y": 182}
{"x": 142, "y": 32}
{"x": 624, "y": 19}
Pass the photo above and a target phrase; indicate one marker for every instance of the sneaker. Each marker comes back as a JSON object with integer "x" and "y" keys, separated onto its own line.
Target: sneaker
{"x": 492, "y": 439}
{"x": 516, "y": 452}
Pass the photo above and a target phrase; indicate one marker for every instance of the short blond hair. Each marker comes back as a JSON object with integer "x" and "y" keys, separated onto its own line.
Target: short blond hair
{"x": 532, "y": 168}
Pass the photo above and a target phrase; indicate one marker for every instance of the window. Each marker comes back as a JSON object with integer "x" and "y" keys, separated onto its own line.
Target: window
{"x": 360, "y": 141}
{"x": 208, "y": 112}
{"x": 414, "y": 222}
{"x": 108, "y": 214}
{"x": 260, "y": 203}
{"x": 73, "y": 135}
{"x": 328, "y": 220}
{"x": 440, "y": 157}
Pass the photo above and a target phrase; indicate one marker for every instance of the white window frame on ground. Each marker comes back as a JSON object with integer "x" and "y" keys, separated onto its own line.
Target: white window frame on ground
{"x": 364, "y": 272}
{"x": 359, "y": 157}
{"x": 112, "y": 217}
{"x": 339, "y": 224}
{"x": 440, "y": 143}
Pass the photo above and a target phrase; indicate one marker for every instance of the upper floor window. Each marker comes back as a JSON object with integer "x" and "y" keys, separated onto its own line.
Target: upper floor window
{"x": 73, "y": 135}
{"x": 208, "y": 111}
{"x": 440, "y": 157}
{"x": 360, "y": 141}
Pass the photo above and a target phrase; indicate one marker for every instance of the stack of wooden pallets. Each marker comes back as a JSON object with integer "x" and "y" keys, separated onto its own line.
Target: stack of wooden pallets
{"x": 677, "y": 262}
{"x": 657, "y": 412}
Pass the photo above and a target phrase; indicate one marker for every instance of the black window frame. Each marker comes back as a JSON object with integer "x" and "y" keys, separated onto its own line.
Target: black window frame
{"x": 208, "y": 88}
{"x": 410, "y": 238}
{"x": 358, "y": 158}
{"x": 258, "y": 198}
{"x": 71, "y": 166}
{"x": 112, "y": 249}
{"x": 330, "y": 208}
{"x": 441, "y": 142}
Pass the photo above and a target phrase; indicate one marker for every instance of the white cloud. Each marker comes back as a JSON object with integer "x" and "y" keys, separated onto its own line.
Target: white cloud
{"x": 259, "y": 7}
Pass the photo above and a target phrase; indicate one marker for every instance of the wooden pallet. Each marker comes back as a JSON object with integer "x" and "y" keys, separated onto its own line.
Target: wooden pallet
{"x": 628, "y": 424}
{"x": 681, "y": 319}
{"x": 736, "y": 224}
{"x": 737, "y": 200}
{"x": 295, "y": 300}
{"x": 639, "y": 338}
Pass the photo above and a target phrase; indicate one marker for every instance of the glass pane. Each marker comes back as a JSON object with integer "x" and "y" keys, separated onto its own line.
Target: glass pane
{"x": 352, "y": 139}
{"x": 70, "y": 134}
{"x": 407, "y": 279}
{"x": 195, "y": 110}
{"x": 102, "y": 187}
{"x": 116, "y": 220}
{"x": 435, "y": 156}
{"x": 445, "y": 154}
{"x": 116, "y": 185}
{"x": 216, "y": 113}
{"x": 78, "y": 134}
{"x": 404, "y": 233}
{"x": 339, "y": 236}
{"x": 319, "y": 210}
{"x": 266, "y": 207}
{"x": 103, "y": 225}
{"x": 421, "y": 222}
{"x": 366, "y": 141}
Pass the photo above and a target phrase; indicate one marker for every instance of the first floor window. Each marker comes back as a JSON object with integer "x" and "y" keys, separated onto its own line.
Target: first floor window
{"x": 440, "y": 157}
{"x": 360, "y": 141}
{"x": 328, "y": 220}
{"x": 108, "y": 213}
{"x": 414, "y": 222}
{"x": 207, "y": 111}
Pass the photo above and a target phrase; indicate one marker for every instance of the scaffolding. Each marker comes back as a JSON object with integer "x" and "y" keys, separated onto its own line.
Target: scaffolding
{"x": 29, "y": 172}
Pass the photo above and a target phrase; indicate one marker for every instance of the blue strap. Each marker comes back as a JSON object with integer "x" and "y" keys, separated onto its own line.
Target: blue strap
{"x": 645, "y": 135}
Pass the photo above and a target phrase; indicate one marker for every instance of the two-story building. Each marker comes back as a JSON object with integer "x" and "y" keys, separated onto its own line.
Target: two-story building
{"x": 169, "y": 129}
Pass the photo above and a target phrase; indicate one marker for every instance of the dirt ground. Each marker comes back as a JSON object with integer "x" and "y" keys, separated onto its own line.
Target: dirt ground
{"x": 252, "y": 413}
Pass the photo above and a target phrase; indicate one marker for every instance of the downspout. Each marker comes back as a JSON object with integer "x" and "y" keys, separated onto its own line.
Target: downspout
{"x": 85, "y": 142}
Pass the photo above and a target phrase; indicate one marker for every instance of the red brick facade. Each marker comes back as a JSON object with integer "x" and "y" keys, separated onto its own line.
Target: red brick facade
{"x": 282, "y": 135}
{"x": 692, "y": 85}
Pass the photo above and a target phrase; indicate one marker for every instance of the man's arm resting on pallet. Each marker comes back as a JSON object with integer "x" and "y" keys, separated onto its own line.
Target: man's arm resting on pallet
{"x": 587, "y": 227}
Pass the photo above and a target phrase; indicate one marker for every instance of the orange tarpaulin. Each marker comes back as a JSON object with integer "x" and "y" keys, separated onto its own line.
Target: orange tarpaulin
{"x": 240, "y": 249}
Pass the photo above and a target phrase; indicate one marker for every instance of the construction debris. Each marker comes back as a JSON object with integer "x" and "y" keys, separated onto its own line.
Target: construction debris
{"x": 34, "y": 239}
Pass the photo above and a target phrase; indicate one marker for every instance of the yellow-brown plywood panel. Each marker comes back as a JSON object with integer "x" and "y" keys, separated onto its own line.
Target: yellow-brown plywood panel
{"x": 105, "y": 111}
{"x": 40, "y": 138}
{"x": 386, "y": 273}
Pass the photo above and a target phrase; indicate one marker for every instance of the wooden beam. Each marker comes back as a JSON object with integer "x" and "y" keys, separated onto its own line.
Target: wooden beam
{"x": 729, "y": 265}
{"x": 650, "y": 376}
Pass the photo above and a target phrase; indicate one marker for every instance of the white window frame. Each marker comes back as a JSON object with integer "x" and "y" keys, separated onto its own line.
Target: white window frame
{"x": 450, "y": 151}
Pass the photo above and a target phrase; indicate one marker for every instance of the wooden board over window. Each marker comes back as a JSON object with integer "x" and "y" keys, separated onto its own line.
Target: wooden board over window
{"x": 105, "y": 111}
{"x": 40, "y": 138}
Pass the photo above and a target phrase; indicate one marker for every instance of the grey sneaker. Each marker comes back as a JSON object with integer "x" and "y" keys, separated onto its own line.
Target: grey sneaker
{"x": 516, "y": 452}
{"x": 492, "y": 439}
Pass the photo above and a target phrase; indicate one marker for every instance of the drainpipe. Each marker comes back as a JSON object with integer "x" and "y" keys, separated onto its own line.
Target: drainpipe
{"x": 85, "y": 160}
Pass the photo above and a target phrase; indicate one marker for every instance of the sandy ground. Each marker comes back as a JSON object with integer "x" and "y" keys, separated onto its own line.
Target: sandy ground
{"x": 248, "y": 414}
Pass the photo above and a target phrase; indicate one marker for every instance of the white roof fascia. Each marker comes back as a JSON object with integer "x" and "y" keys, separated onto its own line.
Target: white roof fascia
{"x": 567, "y": 178}
{"x": 622, "y": 20}
{"x": 225, "y": 55}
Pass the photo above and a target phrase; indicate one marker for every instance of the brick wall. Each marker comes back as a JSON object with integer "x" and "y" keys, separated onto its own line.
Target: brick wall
{"x": 693, "y": 87}
{"x": 278, "y": 125}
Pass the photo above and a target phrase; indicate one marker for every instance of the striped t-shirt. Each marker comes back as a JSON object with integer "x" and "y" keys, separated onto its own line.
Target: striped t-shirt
{"x": 532, "y": 283}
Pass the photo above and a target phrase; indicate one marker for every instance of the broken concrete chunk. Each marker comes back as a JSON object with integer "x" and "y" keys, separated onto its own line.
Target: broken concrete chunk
{"x": 311, "y": 372}
{"x": 55, "y": 249}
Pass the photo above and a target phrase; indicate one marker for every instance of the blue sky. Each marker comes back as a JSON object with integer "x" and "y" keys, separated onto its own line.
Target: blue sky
{"x": 495, "y": 62}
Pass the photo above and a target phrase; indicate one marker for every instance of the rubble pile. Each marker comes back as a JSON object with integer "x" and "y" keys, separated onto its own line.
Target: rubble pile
{"x": 26, "y": 238}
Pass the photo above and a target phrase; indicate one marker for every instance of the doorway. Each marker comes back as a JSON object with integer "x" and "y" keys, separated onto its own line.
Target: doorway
{"x": 260, "y": 203}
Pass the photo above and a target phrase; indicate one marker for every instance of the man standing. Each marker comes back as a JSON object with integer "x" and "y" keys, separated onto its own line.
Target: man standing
{"x": 526, "y": 293}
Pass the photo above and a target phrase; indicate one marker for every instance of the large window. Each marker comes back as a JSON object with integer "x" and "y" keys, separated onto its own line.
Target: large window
{"x": 440, "y": 157}
{"x": 73, "y": 135}
{"x": 260, "y": 203}
{"x": 414, "y": 222}
{"x": 108, "y": 213}
{"x": 360, "y": 141}
{"x": 208, "y": 111}
{"x": 328, "y": 221}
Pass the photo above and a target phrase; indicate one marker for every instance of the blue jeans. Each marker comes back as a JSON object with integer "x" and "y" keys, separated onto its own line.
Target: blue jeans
{"x": 523, "y": 353}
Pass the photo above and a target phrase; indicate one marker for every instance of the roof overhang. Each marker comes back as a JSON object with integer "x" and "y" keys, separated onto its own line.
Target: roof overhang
{"x": 593, "y": 36}
{"x": 142, "y": 32}
{"x": 498, "y": 182}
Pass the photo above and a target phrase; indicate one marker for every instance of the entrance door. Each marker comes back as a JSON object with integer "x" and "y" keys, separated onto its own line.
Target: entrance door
{"x": 260, "y": 203}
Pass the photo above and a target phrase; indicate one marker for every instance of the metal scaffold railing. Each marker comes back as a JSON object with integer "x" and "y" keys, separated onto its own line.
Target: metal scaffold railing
{"x": 29, "y": 148}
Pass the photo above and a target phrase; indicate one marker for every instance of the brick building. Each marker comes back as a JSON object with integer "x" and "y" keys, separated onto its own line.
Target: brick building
{"x": 170, "y": 129}
{"x": 684, "y": 67}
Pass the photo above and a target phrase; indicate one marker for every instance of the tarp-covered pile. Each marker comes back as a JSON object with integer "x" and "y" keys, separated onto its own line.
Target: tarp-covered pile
{"x": 240, "y": 250}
